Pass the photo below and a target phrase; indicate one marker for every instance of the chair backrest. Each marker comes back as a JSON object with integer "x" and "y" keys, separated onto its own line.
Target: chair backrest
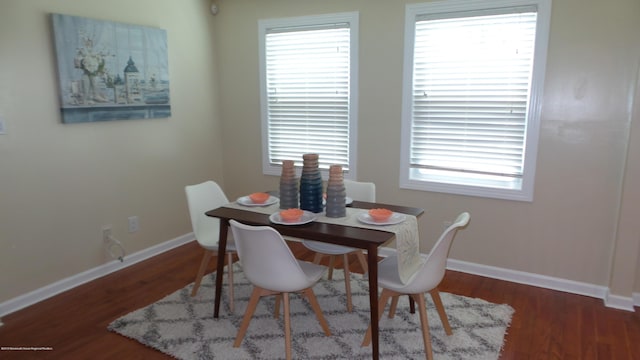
{"x": 432, "y": 271}
{"x": 360, "y": 191}
{"x": 266, "y": 259}
{"x": 202, "y": 198}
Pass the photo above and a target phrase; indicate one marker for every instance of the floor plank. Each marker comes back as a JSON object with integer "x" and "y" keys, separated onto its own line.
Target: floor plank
{"x": 547, "y": 324}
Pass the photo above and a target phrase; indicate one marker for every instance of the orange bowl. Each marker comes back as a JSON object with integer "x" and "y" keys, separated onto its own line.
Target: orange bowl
{"x": 259, "y": 197}
{"x": 380, "y": 215}
{"x": 291, "y": 215}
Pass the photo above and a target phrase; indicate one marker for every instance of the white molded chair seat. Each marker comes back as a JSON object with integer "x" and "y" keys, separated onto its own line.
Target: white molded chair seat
{"x": 202, "y": 198}
{"x": 363, "y": 191}
{"x": 426, "y": 279}
{"x": 270, "y": 266}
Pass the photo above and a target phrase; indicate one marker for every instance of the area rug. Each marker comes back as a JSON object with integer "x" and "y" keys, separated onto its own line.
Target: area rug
{"x": 183, "y": 326}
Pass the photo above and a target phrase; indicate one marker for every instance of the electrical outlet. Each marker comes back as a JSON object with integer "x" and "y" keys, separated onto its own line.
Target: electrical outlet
{"x": 133, "y": 224}
{"x": 106, "y": 233}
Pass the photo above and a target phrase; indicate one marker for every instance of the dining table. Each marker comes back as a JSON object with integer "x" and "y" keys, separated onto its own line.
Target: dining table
{"x": 366, "y": 238}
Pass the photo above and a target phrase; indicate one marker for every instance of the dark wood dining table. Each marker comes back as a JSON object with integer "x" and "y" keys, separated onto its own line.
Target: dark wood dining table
{"x": 362, "y": 238}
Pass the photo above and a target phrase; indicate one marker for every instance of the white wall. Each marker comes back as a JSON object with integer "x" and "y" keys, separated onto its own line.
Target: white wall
{"x": 570, "y": 230}
{"x": 60, "y": 183}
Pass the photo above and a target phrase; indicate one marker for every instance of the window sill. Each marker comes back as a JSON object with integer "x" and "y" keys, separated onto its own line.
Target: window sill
{"x": 495, "y": 187}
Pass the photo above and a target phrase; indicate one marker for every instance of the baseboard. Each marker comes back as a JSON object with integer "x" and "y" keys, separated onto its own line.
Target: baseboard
{"x": 547, "y": 282}
{"x": 569, "y": 286}
{"x": 58, "y": 287}
{"x": 618, "y": 302}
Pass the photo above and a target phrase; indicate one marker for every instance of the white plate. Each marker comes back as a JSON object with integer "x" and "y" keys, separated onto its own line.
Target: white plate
{"x": 307, "y": 217}
{"x": 396, "y": 218}
{"x": 246, "y": 201}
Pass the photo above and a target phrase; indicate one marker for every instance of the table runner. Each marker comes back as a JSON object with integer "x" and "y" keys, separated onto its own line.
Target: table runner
{"x": 407, "y": 239}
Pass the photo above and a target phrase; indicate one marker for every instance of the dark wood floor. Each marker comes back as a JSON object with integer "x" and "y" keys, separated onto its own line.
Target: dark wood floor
{"x": 547, "y": 324}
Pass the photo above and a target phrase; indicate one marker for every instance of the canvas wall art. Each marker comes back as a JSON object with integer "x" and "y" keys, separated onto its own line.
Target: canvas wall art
{"x": 110, "y": 71}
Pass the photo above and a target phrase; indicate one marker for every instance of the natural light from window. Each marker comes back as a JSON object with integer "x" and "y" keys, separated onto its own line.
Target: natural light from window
{"x": 307, "y": 93}
{"x": 473, "y": 80}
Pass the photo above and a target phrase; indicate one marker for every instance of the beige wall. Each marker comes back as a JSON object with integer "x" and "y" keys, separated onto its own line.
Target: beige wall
{"x": 570, "y": 230}
{"x": 59, "y": 184}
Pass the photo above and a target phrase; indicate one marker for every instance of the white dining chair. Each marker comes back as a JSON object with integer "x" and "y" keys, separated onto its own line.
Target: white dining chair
{"x": 426, "y": 279}
{"x": 202, "y": 198}
{"x": 362, "y": 191}
{"x": 269, "y": 264}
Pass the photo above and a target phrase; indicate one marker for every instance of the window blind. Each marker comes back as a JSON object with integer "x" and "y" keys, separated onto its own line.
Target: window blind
{"x": 471, "y": 81}
{"x": 307, "y": 81}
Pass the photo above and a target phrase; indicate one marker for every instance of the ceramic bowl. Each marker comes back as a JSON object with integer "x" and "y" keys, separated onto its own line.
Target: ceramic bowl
{"x": 291, "y": 215}
{"x": 380, "y": 215}
{"x": 259, "y": 197}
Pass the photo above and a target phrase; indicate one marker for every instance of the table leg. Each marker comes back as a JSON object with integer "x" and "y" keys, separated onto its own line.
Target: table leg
{"x": 372, "y": 262}
{"x": 222, "y": 247}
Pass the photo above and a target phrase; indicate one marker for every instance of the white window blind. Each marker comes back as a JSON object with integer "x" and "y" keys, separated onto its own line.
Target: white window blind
{"x": 471, "y": 83}
{"x": 307, "y": 79}
{"x": 472, "y": 92}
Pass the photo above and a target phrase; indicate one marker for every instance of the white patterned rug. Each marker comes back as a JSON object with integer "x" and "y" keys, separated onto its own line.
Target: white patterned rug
{"x": 183, "y": 326}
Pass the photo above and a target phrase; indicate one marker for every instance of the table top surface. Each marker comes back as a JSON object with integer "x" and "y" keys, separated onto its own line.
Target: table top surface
{"x": 332, "y": 233}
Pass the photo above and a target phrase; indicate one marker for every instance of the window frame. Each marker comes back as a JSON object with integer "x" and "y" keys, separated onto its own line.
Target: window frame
{"x": 352, "y": 18}
{"x": 480, "y": 188}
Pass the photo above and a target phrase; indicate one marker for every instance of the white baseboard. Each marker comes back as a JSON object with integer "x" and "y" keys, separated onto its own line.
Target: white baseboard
{"x": 600, "y": 292}
{"x": 618, "y": 302}
{"x": 547, "y": 282}
{"x": 58, "y": 287}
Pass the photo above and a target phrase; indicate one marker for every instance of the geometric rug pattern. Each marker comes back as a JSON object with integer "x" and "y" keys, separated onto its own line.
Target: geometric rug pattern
{"x": 184, "y": 327}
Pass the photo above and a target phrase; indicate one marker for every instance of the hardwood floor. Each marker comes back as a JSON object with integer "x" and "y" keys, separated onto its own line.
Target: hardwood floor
{"x": 547, "y": 324}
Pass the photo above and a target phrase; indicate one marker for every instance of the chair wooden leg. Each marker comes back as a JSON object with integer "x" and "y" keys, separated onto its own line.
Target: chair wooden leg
{"x": 437, "y": 301}
{"x": 251, "y": 308}
{"x": 422, "y": 309}
{"x": 206, "y": 257}
{"x": 276, "y": 310}
{"x": 384, "y": 297}
{"x": 332, "y": 263}
{"x": 287, "y": 326}
{"x": 311, "y": 296}
{"x": 230, "y": 279}
{"x": 347, "y": 281}
{"x": 393, "y": 307}
{"x": 363, "y": 261}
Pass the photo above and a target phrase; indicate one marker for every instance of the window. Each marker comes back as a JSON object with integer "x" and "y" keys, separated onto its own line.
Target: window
{"x": 473, "y": 79}
{"x": 308, "y": 103}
